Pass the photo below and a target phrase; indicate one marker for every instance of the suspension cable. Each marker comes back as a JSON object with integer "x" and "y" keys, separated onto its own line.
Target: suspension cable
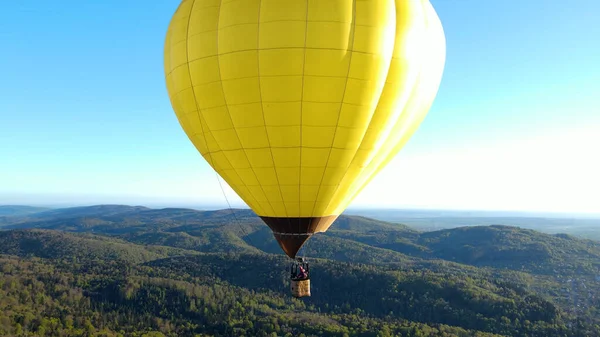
{"x": 246, "y": 235}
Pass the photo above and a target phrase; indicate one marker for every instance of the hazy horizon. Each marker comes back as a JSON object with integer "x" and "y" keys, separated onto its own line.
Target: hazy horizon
{"x": 369, "y": 211}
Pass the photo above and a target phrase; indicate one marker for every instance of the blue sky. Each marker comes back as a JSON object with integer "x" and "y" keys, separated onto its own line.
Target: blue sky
{"x": 85, "y": 117}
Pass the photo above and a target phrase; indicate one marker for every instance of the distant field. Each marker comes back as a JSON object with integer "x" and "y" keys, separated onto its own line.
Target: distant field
{"x": 585, "y": 226}
{"x": 424, "y": 220}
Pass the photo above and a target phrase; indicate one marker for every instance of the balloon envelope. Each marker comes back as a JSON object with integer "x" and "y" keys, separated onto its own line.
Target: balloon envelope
{"x": 298, "y": 104}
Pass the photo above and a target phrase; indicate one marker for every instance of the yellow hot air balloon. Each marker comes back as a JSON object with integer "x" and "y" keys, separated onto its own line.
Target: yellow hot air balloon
{"x": 298, "y": 104}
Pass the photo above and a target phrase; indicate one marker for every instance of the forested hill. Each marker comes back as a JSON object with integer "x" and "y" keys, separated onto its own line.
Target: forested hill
{"x": 131, "y": 270}
{"x": 9, "y": 210}
{"x": 88, "y": 287}
{"x": 372, "y": 241}
{"x": 60, "y": 245}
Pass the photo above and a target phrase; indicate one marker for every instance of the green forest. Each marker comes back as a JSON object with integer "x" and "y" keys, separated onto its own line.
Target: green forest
{"x": 132, "y": 271}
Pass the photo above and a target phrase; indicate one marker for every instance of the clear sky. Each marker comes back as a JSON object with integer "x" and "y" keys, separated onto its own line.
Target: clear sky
{"x": 85, "y": 117}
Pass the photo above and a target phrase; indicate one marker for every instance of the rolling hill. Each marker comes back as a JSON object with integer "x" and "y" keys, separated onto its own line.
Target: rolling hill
{"x": 372, "y": 241}
{"x": 79, "y": 247}
{"x": 16, "y": 210}
{"x": 490, "y": 279}
{"x": 117, "y": 284}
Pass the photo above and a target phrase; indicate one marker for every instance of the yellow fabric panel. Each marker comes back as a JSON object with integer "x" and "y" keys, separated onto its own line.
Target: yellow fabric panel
{"x": 238, "y": 159}
{"x": 201, "y": 45}
{"x": 271, "y": 10}
{"x": 282, "y": 113}
{"x": 292, "y": 207}
{"x": 273, "y": 191}
{"x": 209, "y": 95}
{"x": 298, "y": 104}
{"x": 311, "y": 176}
{"x": 290, "y": 193}
{"x": 281, "y": 62}
{"x": 253, "y": 137}
{"x": 320, "y": 114}
{"x": 246, "y": 116}
{"x": 329, "y": 35}
{"x": 288, "y": 175}
{"x": 317, "y": 136}
{"x": 258, "y": 158}
{"x": 324, "y": 89}
{"x": 327, "y": 62}
{"x": 267, "y": 177}
{"x": 277, "y": 207}
{"x": 238, "y": 12}
{"x": 238, "y": 65}
{"x": 237, "y": 38}
{"x": 281, "y": 89}
{"x": 284, "y": 137}
{"x": 314, "y": 157}
{"x": 217, "y": 118}
{"x": 204, "y": 70}
{"x": 204, "y": 20}
{"x": 331, "y": 10}
{"x": 286, "y": 157}
{"x": 282, "y": 34}
{"x": 241, "y": 90}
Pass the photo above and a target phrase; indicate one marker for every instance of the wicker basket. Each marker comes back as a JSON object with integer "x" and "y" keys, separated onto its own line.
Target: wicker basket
{"x": 300, "y": 288}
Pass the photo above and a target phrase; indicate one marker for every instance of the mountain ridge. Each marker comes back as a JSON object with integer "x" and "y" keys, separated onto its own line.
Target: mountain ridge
{"x": 241, "y": 230}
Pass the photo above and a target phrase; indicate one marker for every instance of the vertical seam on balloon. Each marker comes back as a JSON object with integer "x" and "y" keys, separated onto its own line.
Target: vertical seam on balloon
{"x": 302, "y": 115}
{"x": 373, "y": 170}
{"x": 187, "y": 64}
{"x": 200, "y": 118}
{"x": 353, "y": 33}
{"x": 229, "y": 113}
{"x": 358, "y": 149}
{"x": 385, "y": 158}
{"x": 262, "y": 110}
{"x": 211, "y": 161}
{"x": 391, "y": 150}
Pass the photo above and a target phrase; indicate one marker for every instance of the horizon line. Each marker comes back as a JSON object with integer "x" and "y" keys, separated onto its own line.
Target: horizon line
{"x": 209, "y": 207}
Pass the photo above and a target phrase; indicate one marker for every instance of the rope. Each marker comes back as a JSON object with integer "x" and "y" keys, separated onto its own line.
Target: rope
{"x": 306, "y": 245}
{"x": 233, "y": 212}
